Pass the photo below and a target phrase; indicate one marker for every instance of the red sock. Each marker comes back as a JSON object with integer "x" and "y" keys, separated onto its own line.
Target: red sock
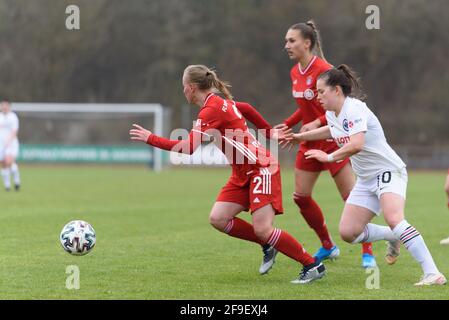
{"x": 288, "y": 245}
{"x": 314, "y": 218}
{"x": 241, "y": 229}
{"x": 367, "y": 247}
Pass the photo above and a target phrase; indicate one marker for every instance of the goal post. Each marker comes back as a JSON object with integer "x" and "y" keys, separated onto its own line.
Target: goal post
{"x": 65, "y": 111}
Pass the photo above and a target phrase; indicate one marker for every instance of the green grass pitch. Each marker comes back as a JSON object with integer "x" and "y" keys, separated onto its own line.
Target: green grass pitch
{"x": 154, "y": 240}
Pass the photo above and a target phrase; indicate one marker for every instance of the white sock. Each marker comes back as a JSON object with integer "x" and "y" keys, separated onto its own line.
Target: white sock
{"x": 374, "y": 232}
{"x": 415, "y": 244}
{"x": 15, "y": 173}
{"x": 6, "y": 178}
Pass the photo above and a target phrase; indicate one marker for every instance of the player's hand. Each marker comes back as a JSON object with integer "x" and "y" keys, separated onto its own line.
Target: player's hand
{"x": 286, "y": 144}
{"x": 139, "y": 134}
{"x": 319, "y": 155}
{"x": 281, "y": 126}
{"x": 291, "y": 139}
{"x": 310, "y": 126}
{"x": 282, "y": 134}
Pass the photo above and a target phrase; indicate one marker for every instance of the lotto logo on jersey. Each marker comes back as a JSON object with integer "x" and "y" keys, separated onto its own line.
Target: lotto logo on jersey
{"x": 342, "y": 140}
{"x": 308, "y": 94}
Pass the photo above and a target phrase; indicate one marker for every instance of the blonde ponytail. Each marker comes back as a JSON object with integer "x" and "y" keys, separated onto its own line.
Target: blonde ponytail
{"x": 221, "y": 85}
{"x": 206, "y": 79}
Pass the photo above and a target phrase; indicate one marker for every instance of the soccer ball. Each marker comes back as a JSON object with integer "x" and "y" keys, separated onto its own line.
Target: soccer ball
{"x": 78, "y": 237}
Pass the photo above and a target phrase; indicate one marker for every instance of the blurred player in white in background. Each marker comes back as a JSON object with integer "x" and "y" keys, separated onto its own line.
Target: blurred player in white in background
{"x": 9, "y": 145}
{"x": 446, "y": 187}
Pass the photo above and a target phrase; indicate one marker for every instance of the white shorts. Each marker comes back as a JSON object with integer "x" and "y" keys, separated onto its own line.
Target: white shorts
{"x": 366, "y": 192}
{"x": 11, "y": 150}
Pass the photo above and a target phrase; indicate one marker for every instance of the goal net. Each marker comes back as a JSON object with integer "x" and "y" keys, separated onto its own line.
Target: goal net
{"x": 87, "y": 133}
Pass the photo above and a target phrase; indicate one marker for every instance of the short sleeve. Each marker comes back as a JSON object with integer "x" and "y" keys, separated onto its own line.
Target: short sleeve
{"x": 356, "y": 120}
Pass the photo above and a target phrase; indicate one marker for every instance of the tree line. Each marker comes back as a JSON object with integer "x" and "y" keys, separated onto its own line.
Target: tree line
{"x": 136, "y": 51}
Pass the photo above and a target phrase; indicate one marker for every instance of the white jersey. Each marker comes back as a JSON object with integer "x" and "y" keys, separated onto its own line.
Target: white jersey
{"x": 376, "y": 155}
{"x": 8, "y": 123}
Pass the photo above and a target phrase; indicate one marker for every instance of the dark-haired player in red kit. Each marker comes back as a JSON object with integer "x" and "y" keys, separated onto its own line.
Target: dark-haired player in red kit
{"x": 300, "y": 42}
{"x": 255, "y": 183}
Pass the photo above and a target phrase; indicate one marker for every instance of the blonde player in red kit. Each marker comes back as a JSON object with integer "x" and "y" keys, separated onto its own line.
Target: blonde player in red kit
{"x": 301, "y": 41}
{"x": 255, "y": 183}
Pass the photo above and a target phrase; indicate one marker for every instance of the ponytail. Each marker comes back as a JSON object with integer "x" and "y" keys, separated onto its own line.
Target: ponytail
{"x": 316, "y": 33}
{"x": 207, "y": 79}
{"x": 346, "y": 78}
{"x": 310, "y": 31}
{"x": 220, "y": 85}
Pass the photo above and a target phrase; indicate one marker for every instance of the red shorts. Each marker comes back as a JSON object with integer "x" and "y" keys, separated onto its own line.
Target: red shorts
{"x": 314, "y": 165}
{"x": 261, "y": 189}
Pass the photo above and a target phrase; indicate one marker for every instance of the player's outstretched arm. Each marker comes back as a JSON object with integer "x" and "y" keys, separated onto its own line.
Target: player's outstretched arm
{"x": 316, "y": 134}
{"x": 355, "y": 145}
{"x": 321, "y": 133}
{"x": 138, "y": 133}
{"x": 252, "y": 115}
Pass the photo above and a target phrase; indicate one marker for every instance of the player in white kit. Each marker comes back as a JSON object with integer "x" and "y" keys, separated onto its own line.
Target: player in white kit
{"x": 9, "y": 146}
{"x": 381, "y": 175}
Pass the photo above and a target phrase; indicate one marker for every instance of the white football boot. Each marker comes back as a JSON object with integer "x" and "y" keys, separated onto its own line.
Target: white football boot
{"x": 432, "y": 279}
{"x": 445, "y": 241}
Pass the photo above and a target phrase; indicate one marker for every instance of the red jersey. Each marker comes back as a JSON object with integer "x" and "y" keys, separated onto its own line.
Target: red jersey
{"x": 305, "y": 93}
{"x": 223, "y": 121}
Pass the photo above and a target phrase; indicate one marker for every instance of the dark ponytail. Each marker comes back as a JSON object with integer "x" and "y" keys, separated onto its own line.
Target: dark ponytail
{"x": 346, "y": 78}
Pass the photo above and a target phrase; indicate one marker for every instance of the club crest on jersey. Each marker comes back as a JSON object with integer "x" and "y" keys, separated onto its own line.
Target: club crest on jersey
{"x": 309, "y": 80}
{"x": 198, "y": 123}
{"x": 308, "y": 94}
{"x": 345, "y": 125}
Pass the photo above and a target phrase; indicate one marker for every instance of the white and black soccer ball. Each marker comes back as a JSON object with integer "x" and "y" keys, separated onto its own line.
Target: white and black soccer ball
{"x": 78, "y": 237}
